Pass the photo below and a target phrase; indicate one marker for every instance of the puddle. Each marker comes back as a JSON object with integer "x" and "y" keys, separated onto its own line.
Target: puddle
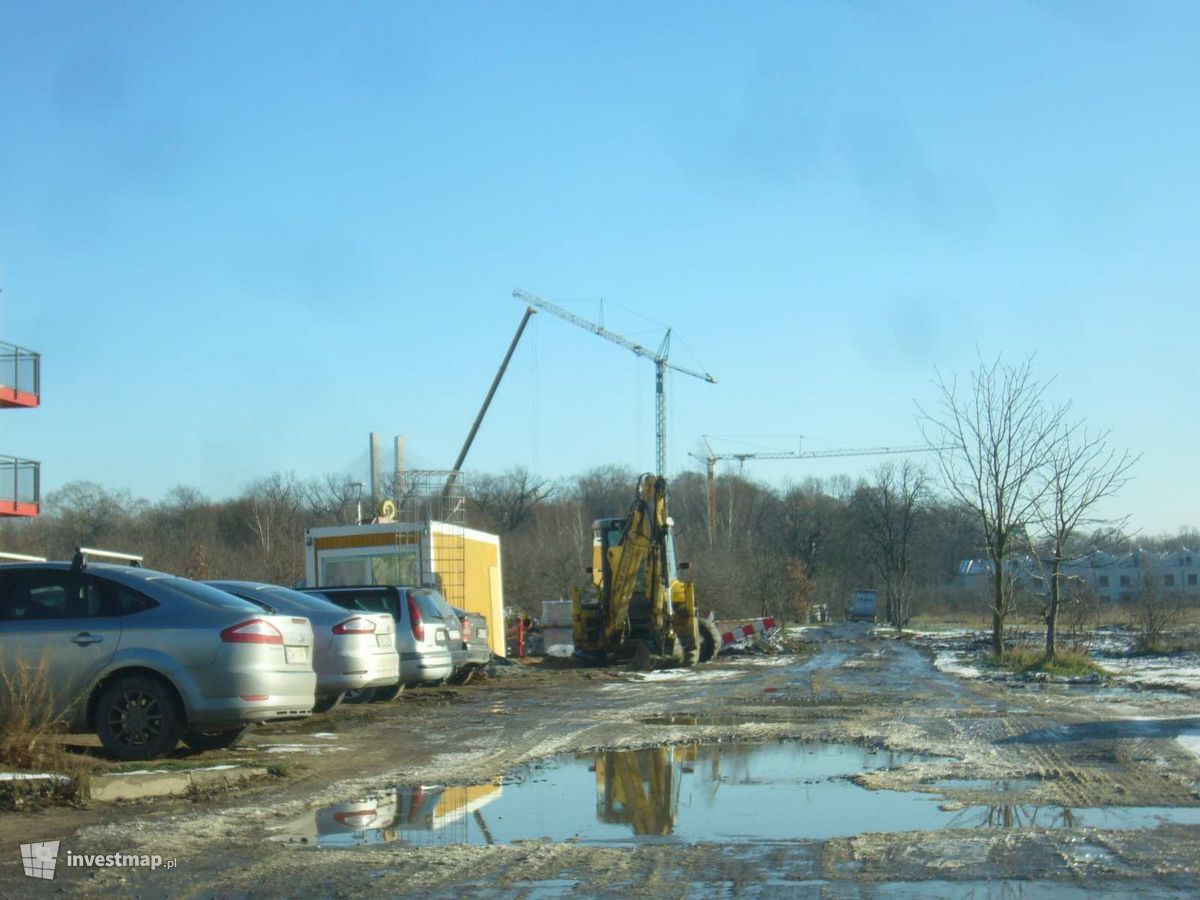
{"x": 722, "y": 719}
{"x": 723, "y": 792}
{"x": 1118, "y": 818}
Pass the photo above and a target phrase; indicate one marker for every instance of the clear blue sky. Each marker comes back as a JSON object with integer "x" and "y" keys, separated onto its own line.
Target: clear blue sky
{"x": 244, "y": 235}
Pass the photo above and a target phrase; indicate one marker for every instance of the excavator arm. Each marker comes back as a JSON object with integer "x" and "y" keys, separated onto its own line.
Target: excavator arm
{"x": 636, "y": 608}
{"x": 641, "y": 552}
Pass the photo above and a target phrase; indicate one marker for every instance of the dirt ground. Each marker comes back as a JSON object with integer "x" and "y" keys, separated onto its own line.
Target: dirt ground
{"x": 1066, "y": 746}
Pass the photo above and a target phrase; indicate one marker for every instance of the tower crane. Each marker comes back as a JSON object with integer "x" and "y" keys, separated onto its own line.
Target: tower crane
{"x": 659, "y": 358}
{"x": 712, "y": 458}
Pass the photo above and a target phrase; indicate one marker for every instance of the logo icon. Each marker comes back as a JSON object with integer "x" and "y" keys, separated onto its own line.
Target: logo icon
{"x": 40, "y": 859}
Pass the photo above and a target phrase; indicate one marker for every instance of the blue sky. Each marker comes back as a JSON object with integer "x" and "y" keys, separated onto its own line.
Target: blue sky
{"x": 245, "y": 235}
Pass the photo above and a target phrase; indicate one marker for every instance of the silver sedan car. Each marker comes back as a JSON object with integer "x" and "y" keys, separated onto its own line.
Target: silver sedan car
{"x": 351, "y": 652}
{"x": 143, "y": 658}
{"x": 421, "y": 636}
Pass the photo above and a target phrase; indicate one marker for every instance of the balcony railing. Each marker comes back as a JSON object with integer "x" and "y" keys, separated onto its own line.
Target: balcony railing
{"x": 20, "y": 486}
{"x": 20, "y": 376}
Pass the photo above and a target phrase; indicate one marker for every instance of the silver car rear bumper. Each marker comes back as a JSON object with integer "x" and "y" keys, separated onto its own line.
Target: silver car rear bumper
{"x": 350, "y": 672}
{"x": 426, "y": 666}
{"x": 234, "y": 697}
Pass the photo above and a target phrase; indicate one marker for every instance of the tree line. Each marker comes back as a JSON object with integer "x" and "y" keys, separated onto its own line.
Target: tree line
{"x": 1012, "y": 474}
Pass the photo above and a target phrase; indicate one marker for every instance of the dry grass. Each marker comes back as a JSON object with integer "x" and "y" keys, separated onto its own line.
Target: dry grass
{"x": 29, "y": 723}
{"x": 1070, "y": 663}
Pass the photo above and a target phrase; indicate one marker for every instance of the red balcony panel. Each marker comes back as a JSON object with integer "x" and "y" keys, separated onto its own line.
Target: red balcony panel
{"x": 16, "y": 509}
{"x": 11, "y": 398}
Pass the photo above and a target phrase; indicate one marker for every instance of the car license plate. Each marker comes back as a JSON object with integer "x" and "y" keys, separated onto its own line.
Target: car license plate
{"x": 482, "y": 632}
{"x": 441, "y": 637}
{"x": 383, "y": 640}
{"x": 295, "y": 654}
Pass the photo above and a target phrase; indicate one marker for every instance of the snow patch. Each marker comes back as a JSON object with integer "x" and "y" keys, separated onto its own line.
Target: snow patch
{"x": 955, "y": 662}
{"x": 1157, "y": 670}
{"x": 787, "y": 660}
{"x": 1190, "y": 741}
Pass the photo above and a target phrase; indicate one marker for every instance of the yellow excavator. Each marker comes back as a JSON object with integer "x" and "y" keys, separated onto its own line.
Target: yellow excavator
{"x": 636, "y": 608}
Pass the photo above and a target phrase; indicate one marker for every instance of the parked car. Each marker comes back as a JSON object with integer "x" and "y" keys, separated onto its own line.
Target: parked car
{"x": 459, "y": 654}
{"x": 422, "y": 638}
{"x": 144, "y": 658}
{"x": 352, "y": 654}
{"x": 475, "y": 638}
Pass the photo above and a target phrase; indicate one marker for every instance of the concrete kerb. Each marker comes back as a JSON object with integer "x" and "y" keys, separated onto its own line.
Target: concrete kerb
{"x": 147, "y": 785}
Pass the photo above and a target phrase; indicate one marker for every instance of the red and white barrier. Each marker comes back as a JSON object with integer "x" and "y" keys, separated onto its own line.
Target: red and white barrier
{"x": 749, "y": 630}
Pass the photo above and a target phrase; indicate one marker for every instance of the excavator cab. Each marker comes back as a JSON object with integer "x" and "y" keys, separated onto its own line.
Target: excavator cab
{"x": 636, "y": 609}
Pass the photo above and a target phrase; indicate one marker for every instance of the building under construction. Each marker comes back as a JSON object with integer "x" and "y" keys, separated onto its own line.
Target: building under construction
{"x": 20, "y": 388}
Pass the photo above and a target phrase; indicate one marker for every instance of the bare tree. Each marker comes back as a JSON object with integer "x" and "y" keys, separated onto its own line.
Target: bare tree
{"x": 275, "y": 518}
{"x": 1156, "y": 612}
{"x": 889, "y": 508}
{"x": 84, "y": 513}
{"x": 510, "y": 499}
{"x": 1081, "y": 471}
{"x": 332, "y": 498}
{"x": 992, "y": 442}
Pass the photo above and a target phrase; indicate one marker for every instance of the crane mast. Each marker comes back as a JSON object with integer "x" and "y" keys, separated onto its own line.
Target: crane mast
{"x": 660, "y": 358}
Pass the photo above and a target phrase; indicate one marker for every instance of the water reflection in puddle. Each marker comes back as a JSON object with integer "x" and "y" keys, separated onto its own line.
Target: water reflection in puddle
{"x": 695, "y": 793}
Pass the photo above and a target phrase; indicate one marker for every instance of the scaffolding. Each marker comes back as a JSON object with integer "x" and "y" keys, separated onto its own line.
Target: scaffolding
{"x": 20, "y": 388}
{"x": 436, "y": 499}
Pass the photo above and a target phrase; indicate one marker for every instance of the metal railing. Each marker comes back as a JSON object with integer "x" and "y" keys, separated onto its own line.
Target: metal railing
{"x": 20, "y": 369}
{"x": 20, "y": 480}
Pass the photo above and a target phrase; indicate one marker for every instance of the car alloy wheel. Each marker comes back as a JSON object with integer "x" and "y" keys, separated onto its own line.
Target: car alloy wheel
{"x": 137, "y": 718}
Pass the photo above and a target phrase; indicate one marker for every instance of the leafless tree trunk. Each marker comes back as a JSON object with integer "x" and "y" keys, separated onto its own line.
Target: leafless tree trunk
{"x": 992, "y": 441}
{"x": 1082, "y": 470}
{"x": 276, "y": 521}
{"x": 890, "y": 506}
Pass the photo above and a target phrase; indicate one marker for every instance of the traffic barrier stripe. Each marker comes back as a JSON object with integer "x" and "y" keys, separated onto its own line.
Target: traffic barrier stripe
{"x": 757, "y": 626}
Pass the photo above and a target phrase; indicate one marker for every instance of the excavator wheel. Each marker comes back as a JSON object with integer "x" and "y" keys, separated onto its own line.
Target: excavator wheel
{"x": 710, "y": 640}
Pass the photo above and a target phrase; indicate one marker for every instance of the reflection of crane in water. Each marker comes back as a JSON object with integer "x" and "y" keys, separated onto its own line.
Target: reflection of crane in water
{"x": 640, "y": 788}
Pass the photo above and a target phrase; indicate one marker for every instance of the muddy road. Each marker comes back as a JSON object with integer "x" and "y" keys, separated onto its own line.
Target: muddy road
{"x": 851, "y": 767}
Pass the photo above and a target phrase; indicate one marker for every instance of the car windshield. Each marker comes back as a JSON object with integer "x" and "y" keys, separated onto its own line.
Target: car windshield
{"x": 205, "y": 593}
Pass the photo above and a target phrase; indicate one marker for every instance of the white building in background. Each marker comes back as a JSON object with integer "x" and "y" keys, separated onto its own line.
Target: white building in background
{"x": 1113, "y": 578}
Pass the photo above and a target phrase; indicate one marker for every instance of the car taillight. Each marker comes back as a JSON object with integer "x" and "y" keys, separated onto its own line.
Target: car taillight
{"x": 356, "y": 625}
{"x": 466, "y": 629}
{"x": 252, "y": 631}
{"x": 415, "y": 620}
